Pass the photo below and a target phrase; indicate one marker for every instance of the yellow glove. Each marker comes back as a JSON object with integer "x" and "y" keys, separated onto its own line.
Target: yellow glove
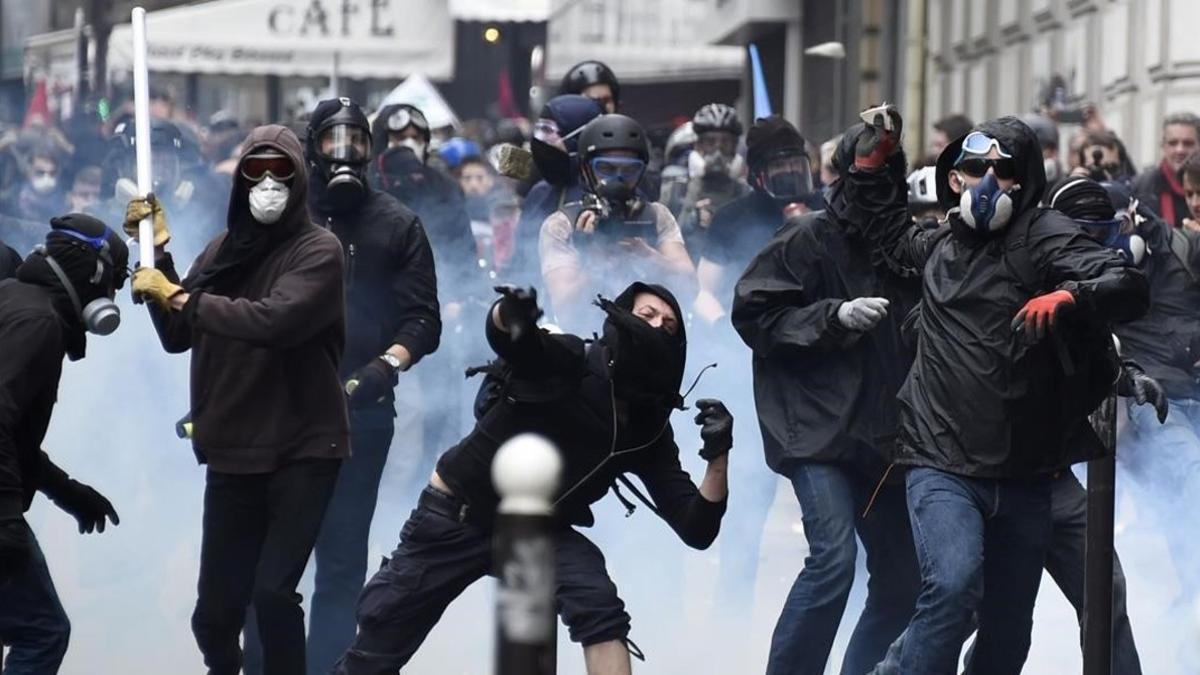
{"x": 149, "y": 283}
{"x": 139, "y": 209}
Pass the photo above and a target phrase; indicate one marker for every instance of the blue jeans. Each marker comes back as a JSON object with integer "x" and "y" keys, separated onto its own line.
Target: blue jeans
{"x": 832, "y": 498}
{"x": 1165, "y": 463}
{"x": 33, "y": 624}
{"x": 973, "y": 534}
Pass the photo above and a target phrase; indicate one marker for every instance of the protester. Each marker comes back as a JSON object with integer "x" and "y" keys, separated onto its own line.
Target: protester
{"x": 825, "y": 331}
{"x": 715, "y": 171}
{"x": 781, "y": 181}
{"x": 40, "y": 196}
{"x": 946, "y": 130}
{"x": 60, "y": 294}
{"x": 589, "y": 246}
{"x": 610, "y": 406}
{"x": 392, "y": 322}
{"x": 1158, "y": 186}
{"x": 596, "y": 81}
{"x": 263, "y": 312}
{"x": 85, "y": 189}
{"x": 1007, "y": 290}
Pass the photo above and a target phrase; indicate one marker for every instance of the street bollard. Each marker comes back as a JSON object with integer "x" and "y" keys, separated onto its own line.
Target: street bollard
{"x": 1098, "y": 559}
{"x": 526, "y": 474}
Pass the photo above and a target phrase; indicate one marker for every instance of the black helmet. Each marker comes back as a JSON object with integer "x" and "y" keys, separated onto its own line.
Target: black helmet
{"x": 717, "y": 117}
{"x": 613, "y": 132}
{"x": 167, "y": 145}
{"x": 584, "y": 74}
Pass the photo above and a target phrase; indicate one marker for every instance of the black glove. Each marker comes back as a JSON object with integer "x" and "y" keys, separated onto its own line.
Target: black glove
{"x": 716, "y": 428}
{"x": 88, "y": 506}
{"x": 1136, "y": 384}
{"x": 519, "y": 309}
{"x": 371, "y": 383}
{"x": 875, "y": 142}
{"x": 14, "y": 547}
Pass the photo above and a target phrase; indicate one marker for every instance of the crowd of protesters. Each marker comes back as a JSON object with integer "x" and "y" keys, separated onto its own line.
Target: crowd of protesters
{"x": 843, "y": 272}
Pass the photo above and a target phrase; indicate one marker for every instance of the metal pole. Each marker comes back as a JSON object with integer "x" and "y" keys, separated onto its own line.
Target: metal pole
{"x": 141, "y": 116}
{"x": 1098, "y": 566}
{"x": 526, "y": 474}
{"x": 81, "y": 60}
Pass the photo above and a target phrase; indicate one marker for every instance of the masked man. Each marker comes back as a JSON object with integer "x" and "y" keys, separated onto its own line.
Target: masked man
{"x": 715, "y": 171}
{"x": 61, "y": 293}
{"x": 609, "y": 404}
{"x": 612, "y": 233}
{"x": 1011, "y": 295}
{"x": 263, "y": 312}
{"x": 824, "y": 325}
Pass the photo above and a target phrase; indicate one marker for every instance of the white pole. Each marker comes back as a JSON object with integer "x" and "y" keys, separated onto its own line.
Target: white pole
{"x": 141, "y": 116}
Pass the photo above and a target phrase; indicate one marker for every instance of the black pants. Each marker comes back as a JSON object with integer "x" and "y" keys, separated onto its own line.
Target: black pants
{"x": 439, "y": 556}
{"x": 259, "y": 531}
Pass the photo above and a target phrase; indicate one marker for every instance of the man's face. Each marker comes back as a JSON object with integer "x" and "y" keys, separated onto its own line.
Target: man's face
{"x": 1191, "y": 192}
{"x": 475, "y": 179}
{"x": 407, "y": 133}
{"x": 655, "y": 311}
{"x": 1110, "y": 159}
{"x": 723, "y": 142}
{"x": 42, "y": 167}
{"x": 961, "y": 181}
{"x": 602, "y": 94}
{"x": 1179, "y": 141}
{"x": 938, "y": 142}
{"x": 83, "y": 194}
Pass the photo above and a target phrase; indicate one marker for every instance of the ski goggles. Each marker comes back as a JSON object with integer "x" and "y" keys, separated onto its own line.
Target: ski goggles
{"x": 261, "y": 165}
{"x": 404, "y": 117}
{"x": 977, "y": 167}
{"x": 1105, "y": 231}
{"x": 624, "y": 169}
{"x": 546, "y": 130}
{"x": 979, "y": 143}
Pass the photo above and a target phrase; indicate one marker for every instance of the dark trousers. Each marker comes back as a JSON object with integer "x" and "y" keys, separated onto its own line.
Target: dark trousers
{"x": 981, "y": 546}
{"x": 832, "y": 499}
{"x": 439, "y": 556}
{"x": 259, "y": 531}
{"x": 341, "y": 550}
{"x": 33, "y": 624}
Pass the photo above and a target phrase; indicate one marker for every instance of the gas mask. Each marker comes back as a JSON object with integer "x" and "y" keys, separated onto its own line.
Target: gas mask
{"x": 714, "y": 164}
{"x": 100, "y": 316}
{"x": 1131, "y": 246}
{"x": 985, "y": 207}
{"x": 342, "y": 146}
{"x": 268, "y": 199}
{"x": 402, "y": 118}
{"x": 786, "y": 177}
{"x": 615, "y": 179}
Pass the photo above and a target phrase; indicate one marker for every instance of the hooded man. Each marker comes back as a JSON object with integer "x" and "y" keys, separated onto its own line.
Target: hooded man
{"x": 392, "y": 322}
{"x": 824, "y": 326}
{"x": 1013, "y": 353}
{"x": 263, "y": 312}
{"x": 60, "y": 294}
{"x": 554, "y": 147}
{"x": 609, "y": 403}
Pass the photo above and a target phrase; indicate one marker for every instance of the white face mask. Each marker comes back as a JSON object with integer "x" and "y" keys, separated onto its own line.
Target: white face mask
{"x": 267, "y": 200}
{"x": 416, "y": 146}
{"x": 43, "y": 184}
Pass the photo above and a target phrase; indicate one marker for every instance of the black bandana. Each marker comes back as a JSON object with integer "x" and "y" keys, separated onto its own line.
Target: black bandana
{"x": 646, "y": 362}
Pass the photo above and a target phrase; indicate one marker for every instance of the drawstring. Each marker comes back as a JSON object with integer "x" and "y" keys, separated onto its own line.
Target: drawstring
{"x": 878, "y": 487}
{"x": 635, "y": 651}
{"x": 629, "y": 506}
{"x": 694, "y": 383}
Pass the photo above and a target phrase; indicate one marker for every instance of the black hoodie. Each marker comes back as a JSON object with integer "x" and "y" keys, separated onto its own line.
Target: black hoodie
{"x": 978, "y": 400}
{"x": 579, "y": 421}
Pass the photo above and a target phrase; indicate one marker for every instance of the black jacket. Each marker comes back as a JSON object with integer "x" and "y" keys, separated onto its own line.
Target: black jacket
{"x": 33, "y": 342}
{"x": 391, "y": 284}
{"x": 979, "y": 401}
{"x": 1154, "y": 192}
{"x": 822, "y": 392}
{"x": 579, "y": 421}
{"x": 1166, "y": 341}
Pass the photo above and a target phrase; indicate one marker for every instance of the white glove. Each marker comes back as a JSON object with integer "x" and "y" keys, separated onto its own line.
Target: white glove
{"x": 862, "y": 314}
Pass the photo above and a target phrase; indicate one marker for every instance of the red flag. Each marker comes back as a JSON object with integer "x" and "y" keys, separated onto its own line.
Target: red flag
{"x": 38, "y": 113}
{"x": 505, "y": 101}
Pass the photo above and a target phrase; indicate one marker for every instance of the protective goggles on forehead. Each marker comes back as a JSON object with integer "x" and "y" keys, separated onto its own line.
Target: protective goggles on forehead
{"x": 546, "y": 130}
{"x": 258, "y": 166}
{"x": 404, "y": 117}
{"x": 624, "y": 169}
{"x": 979, "y": 143}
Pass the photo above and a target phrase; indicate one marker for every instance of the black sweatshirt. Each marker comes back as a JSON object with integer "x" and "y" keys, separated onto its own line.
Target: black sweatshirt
{"x": 579, "y": 423}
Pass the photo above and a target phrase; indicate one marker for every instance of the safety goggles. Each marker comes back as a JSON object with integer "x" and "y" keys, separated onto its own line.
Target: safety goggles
{"x": 259, "y": 166}
{"x": 624, "y": 169}
{"x": 404, "y": 117}
{"x": 979, "y": 143}
{"x": 546, "y": 130}
{"x": 100, "y": 245}
{"x": 1104, "y": 231}
{"x": 716, "y": 141}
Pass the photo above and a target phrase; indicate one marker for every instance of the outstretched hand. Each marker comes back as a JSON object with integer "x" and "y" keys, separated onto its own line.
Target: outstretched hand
{"x": 716, "y": 428}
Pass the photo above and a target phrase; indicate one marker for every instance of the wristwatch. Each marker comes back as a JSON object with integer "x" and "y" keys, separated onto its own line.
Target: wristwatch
{"x": 391, "y": 360}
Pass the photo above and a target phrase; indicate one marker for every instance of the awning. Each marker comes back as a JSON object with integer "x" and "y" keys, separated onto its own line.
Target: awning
{"x": 515, "y": 11}
{"x": 385, "y": 39}
{"x": 53, "y": 57}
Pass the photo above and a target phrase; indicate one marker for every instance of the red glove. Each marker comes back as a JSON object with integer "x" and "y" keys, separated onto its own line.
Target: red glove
{"x": 1038, "y": 315}
{"x": 874, "y": 146}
